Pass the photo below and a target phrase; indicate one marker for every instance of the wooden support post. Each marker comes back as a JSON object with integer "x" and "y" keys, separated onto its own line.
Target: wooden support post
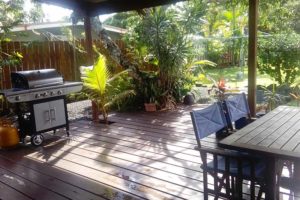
{"x": 252, "y": 53}
{"x": 90, "y": 58}
{"x": 88, "y": 39}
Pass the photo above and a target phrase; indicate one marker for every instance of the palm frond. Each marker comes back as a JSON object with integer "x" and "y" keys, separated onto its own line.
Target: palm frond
{"x": 205, "y": 62}
{"x": 118, "y": 75}
{"x": 96, "y": 78}
{"x": 119, "y": 97}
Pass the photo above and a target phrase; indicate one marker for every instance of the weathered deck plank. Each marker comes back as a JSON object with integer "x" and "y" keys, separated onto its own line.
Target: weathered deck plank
{"x": 140, "y": 156}
{"x": 9, "y": 193}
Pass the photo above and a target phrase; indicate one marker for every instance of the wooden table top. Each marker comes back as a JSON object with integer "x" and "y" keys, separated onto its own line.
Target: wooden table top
{"x": 275, "y": 134}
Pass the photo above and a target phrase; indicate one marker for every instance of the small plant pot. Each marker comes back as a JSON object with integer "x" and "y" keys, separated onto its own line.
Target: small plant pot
{"x": 150, "y": 107}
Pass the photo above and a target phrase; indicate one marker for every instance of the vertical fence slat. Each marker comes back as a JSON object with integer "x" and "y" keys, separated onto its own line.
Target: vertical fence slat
{"x": 66, "y": 68}
{"x": 18, "y": 49}
{"x": 25, "y": 60}
{"x": 41, "y": 55}
{"x": 9, "y": 49}
{"x": 72, "y": 63}
{"x": 4, "y": 67}
{"x": 57, "y": 55}
{"x": 29, "y": 54}
{"x": 52, "y": 56}
{"x": 33, "y": 57}
{"x": 64, "y": 64}
{"x": 46, "y": 54}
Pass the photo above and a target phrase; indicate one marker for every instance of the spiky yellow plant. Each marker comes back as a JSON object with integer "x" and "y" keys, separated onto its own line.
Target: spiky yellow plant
{"x": 100, "y": 87}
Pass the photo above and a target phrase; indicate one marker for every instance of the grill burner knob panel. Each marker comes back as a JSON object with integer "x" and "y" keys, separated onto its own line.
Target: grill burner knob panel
{"x": 27, "y": 95}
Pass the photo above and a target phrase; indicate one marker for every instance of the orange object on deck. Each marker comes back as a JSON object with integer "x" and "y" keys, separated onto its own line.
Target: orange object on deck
{"x": 221, "y": 83}
{"x": 9, "y": 136}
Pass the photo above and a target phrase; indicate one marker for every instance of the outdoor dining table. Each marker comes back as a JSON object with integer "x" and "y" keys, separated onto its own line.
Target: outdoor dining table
{"x": 274, "y": 136}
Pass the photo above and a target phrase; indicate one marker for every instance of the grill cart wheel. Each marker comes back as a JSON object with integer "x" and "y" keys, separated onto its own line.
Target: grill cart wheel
{"x": 37, "y": 140}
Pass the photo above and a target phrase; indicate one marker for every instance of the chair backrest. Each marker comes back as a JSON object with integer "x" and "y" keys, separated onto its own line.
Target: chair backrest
{"x": 237, "y": 107}
{"x": 207, "y": 121}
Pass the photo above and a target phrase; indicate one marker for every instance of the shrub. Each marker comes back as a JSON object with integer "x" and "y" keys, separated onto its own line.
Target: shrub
{"x": 279, "y": 57}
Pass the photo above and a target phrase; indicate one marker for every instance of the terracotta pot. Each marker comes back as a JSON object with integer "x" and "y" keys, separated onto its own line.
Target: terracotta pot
{"x": 150, "y": 107}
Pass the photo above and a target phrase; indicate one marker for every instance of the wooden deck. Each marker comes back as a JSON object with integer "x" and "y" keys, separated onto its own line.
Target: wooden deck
{"x": 140, "y": 156}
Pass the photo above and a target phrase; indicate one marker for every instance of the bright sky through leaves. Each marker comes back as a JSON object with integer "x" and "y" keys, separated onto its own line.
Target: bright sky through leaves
{"x": 56, "y": 13}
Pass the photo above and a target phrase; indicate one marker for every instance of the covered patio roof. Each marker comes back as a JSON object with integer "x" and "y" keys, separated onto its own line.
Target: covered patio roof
{"x": 99, "y": 7}
{"x": 91, "y": 8}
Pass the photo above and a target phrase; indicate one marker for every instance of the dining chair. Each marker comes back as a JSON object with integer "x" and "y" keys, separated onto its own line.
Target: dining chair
{"x": 228, "y": 168}
{"x": 237, "y": 111}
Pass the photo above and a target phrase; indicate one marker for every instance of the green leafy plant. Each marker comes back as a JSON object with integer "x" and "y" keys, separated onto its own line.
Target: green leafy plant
{"x": 198, "y": 66}
{"x": 279, "y": 57}
{"x": 161, "y": 37}
{"x": 11, "y": 14}
{"x": 295, "y": 93}
{"x": 272, "y": 98}
{"x": 102, "y": 87}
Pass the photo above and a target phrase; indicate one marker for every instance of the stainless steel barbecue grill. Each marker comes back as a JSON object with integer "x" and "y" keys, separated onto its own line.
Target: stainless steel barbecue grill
{"x": 39, "y": 96}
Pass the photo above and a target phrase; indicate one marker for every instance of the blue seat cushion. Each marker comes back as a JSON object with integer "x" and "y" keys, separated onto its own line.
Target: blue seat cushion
{"x": 260, "y": 167}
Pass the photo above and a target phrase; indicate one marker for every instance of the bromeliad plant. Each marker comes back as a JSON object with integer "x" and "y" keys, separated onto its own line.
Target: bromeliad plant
{"x": 104, "y": 88}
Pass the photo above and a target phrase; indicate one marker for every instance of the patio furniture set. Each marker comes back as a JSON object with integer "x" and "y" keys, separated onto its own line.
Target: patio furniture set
{"x": 256, "y": 153}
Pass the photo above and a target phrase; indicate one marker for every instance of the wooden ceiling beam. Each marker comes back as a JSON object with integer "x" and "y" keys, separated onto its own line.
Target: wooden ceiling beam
{"x": 94, "y": 8}
{"x": 113, "y": 6}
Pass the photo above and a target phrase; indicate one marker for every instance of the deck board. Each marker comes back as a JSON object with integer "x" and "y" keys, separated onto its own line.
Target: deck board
{"x": 9, "y": 193}
{"x": 140, "y": 156}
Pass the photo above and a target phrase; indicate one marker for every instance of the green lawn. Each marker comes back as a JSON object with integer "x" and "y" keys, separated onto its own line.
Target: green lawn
{"x": 230, "y": 75}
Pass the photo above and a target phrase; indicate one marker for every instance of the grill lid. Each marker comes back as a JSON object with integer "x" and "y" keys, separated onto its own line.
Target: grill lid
{"x": 36, "y": 78}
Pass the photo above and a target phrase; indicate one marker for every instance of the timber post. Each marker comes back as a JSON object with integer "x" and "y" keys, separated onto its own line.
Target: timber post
{"x": 252, "y": 55}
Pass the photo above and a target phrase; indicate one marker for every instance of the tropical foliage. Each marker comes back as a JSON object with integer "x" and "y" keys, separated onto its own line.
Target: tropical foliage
{"x": 175, "y": 36}
{"x": 104, "y": 88}
{"x": 279, "y": 56}
{"x": 161, "y": 38}
{"x": 11, "y": 14}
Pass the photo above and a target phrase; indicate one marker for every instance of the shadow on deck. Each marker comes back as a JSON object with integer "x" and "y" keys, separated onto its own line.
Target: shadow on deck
{"x": 140, "y": 156}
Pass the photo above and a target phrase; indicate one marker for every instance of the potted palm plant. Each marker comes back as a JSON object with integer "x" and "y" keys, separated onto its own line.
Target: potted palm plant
{"x": 102, "y": 87}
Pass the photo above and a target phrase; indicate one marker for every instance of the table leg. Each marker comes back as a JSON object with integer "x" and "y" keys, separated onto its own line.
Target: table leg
{"x": 271, "y": 179}
{"x": 297, "y": 177}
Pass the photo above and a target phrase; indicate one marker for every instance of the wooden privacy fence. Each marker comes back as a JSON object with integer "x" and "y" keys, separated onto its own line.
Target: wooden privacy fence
{"x": 42, "y": 55}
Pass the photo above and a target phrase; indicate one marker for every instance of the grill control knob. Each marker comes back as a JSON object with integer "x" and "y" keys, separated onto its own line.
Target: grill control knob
{"x": 59, "y": 92}
{"x": 17, "y": 98}
{"x": 37, "y": 96}
{"x": 44, "y": 94}
{"x": 51, "y": 93}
